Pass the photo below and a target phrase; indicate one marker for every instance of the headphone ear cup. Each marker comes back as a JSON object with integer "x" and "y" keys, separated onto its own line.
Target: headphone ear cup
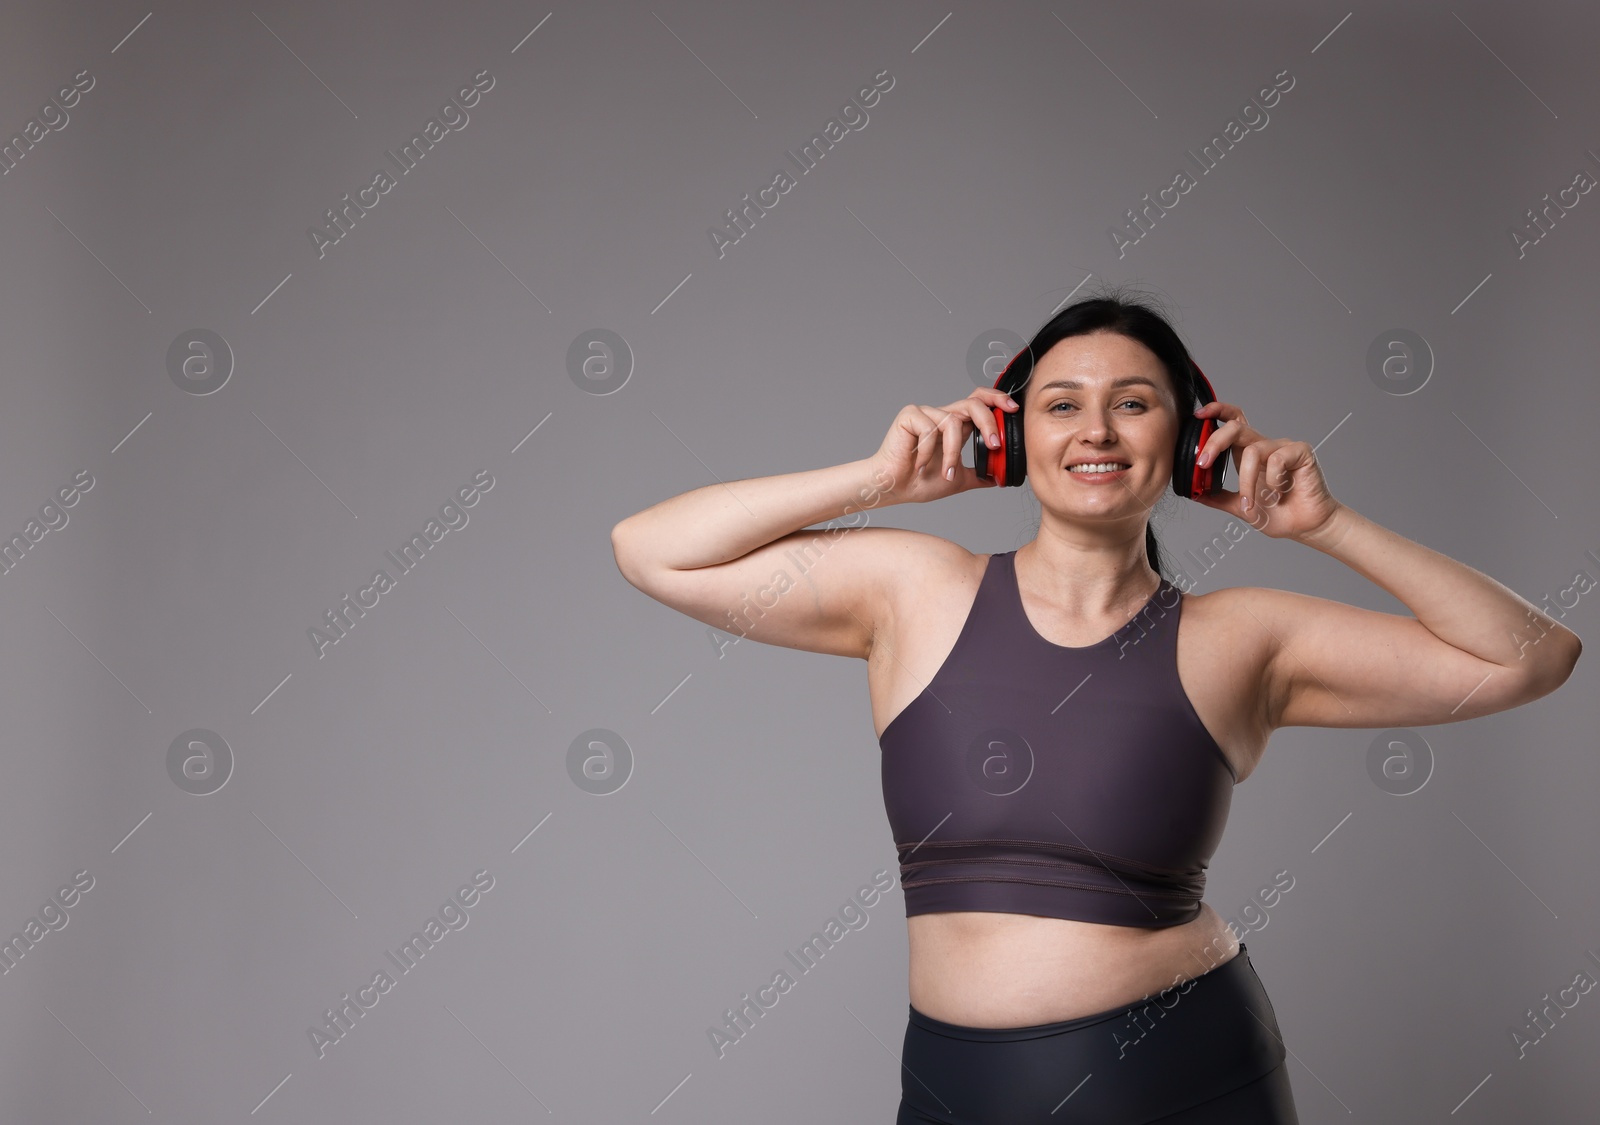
{"x": 1180, "y": 475}
{"x": 1016, "y": 456}
{"x": 988, "y": 463}
{"x": 1192, "y": 432}
{"x": 1207, "y": 478}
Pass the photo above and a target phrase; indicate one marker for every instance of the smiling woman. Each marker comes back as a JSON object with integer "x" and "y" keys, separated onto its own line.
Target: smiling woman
{"x": 1055, "y": 792}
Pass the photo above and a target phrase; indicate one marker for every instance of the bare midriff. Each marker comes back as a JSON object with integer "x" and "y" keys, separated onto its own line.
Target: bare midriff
{"x": 981, "y": 969}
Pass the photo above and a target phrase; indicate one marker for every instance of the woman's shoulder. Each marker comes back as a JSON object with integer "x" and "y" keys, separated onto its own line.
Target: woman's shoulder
{"x": 1261, "y": 603}
{"x": 918, "y": 568}
{"x": 1242, "y": 616}
{"x": 917, "y": 554}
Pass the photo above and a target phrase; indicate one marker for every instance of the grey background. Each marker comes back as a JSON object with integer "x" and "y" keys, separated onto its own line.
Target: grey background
{"x": 431, "y": 342}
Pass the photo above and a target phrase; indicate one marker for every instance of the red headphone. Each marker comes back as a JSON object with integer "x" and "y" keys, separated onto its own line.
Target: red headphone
{"x": 1008, "y": 465}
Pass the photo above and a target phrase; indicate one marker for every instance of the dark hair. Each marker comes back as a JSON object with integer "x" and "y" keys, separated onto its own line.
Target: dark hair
{"x": 1137, "y": 320}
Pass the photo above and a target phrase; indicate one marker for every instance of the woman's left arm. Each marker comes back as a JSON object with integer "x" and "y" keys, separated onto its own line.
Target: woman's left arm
{"x": 1475, "y": 646}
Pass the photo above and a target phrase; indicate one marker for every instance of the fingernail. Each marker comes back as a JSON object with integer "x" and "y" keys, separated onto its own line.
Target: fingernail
{"x": 994, "y": 441}
{"x": 1011, "y": 401}
{"x": 1244, "y": 503}
{"x": 950, "y": 474}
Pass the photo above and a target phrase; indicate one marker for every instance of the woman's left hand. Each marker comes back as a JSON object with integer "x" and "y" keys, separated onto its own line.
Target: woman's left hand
{"x": 1281, "y": 490}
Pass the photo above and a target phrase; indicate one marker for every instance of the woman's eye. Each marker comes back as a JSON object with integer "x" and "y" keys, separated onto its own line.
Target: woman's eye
{"x": 1125, "y": 402}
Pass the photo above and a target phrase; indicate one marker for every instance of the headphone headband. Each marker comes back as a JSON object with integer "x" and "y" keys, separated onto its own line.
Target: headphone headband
{"x": 1010, "y": 383}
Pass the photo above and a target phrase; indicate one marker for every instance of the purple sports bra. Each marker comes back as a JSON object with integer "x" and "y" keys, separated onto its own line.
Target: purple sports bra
{"x": 1032, "y": 778}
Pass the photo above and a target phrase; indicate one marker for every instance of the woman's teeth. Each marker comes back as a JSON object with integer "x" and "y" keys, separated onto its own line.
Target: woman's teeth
{"x": 1101, "y": 467}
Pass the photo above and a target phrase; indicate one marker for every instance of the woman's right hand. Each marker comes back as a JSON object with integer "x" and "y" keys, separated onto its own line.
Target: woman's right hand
{"x": 921, "y": 453}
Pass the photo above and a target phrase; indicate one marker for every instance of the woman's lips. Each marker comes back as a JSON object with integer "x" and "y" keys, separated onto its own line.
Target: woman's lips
{"x": 1097, "y": 478}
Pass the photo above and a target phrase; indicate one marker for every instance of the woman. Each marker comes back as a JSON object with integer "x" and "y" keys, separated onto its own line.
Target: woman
{"x": 1057, "y": 760}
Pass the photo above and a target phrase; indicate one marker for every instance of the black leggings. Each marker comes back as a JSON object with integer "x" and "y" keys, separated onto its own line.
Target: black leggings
{"x": 1204, "y": 1052}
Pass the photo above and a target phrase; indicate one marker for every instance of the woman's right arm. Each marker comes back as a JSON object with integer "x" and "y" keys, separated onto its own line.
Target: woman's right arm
{"x": 735, "y": 556}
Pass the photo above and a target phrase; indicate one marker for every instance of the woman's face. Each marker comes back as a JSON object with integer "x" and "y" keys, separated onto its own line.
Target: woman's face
{"x": 1102, "y": 397}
